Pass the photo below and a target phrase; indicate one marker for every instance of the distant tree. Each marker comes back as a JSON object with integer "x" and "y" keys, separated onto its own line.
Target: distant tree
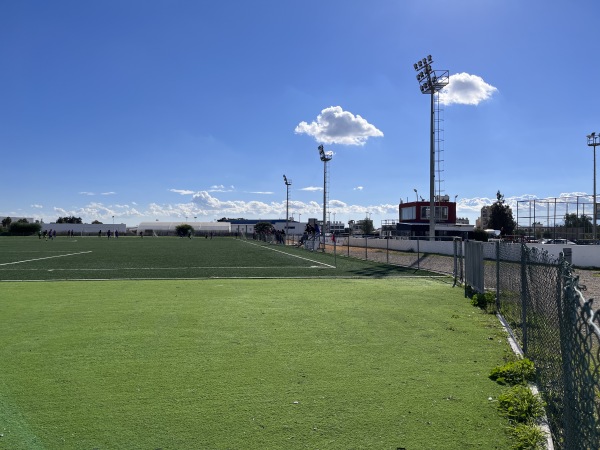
{"x": 501, "y": 217}
{"x": 479, "y": 234}
{"x": 70, "y": 219}
{"x": 96, "y": 222}
{"x": 264, "y": 227}
{"x": 583, "y": 221}
{"x": 6, "y": 222}
{"x": 184, "y": 229}
{"x": 366, "y": 226}
{"x": 22, "y": 221}
{"x": 24, "y": 228}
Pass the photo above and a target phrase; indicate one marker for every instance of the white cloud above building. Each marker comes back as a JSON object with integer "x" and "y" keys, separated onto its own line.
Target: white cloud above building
{"x": 336, "y": 126}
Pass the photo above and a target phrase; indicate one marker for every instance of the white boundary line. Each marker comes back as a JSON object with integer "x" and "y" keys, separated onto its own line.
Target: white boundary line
{"x": 108, "y": 269}
{"x": 289, "y": 254}
{"x": 47, "y": 257}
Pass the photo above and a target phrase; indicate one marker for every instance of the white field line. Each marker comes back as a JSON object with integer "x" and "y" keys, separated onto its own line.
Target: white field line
{"x": 293, "y": 256}
{"x": 46, "y": 257}
{"x": 165, "y": 268}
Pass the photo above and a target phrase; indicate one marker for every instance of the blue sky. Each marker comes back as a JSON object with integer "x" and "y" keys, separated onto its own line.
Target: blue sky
{"x": 146, "y": 110}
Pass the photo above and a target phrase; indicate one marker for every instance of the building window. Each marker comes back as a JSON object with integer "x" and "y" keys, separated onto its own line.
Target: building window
{"x": 408, "y": 213}
{"x": 441, "y": 212}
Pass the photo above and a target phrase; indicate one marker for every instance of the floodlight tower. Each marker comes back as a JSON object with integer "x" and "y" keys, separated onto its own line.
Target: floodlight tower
{"x": 431, "y": 81}
{"x": 593, "y": 140}
{"x": 288, "y": 183}
{"x": 325, "y": 157}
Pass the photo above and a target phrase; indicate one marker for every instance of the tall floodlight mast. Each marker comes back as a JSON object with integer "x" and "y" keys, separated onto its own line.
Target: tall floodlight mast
{"x": 288, "y": 183}
{"x": 593, "y": 140}
{"x": 325, "y": 157}
{"x": 431, "y": 81}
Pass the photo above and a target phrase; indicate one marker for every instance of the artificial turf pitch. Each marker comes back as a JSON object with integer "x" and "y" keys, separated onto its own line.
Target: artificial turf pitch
{"x": 93, "y": 258}
{"x": 246, "y": 363}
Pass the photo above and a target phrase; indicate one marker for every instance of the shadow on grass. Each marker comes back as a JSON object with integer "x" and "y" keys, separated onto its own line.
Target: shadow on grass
{"x": 383, "y": 271}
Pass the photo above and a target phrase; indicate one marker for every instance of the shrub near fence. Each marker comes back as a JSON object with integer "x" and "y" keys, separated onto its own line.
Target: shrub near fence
{"x": 539, "y": 298}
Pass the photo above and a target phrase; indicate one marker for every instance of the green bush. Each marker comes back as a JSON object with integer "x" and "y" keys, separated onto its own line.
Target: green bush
{"x": 514, "y": 372}
{"x": 519, "y": 405}
{"x": 527, "y": 437}
{"x": 184, "y": 229}
{"x": 24, "y": 228}
{"x": 485, "y": 301}
{"x": 480, "y": 235}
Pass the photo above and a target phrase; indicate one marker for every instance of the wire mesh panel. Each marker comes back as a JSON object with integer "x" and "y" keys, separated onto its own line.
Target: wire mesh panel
{"x": 413, "y": 256}
{"x": 539, "y": 297}
{"x": 580, "y": 346}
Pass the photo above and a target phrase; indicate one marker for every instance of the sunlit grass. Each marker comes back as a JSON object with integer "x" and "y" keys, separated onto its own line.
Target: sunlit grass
{"x": 264, "y": 364}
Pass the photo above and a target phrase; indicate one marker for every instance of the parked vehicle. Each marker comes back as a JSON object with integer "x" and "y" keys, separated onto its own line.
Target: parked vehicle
{"x": 558, "y": 241}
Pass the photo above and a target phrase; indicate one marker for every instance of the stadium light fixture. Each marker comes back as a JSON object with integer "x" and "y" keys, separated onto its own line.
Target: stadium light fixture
{"x": 416, "y": 194}
{"x": 430, "y": 82}
{"x": 593, "y": 140}
{"x": 325, "y": 157}
{"x": 288, "y": 183}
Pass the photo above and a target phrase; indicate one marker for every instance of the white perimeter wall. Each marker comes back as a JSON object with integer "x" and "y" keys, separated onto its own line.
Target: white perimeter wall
{"x": 583, "y": 255}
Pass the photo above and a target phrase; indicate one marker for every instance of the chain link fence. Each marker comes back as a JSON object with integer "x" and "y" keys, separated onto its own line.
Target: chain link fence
{"x": 444, "y": 257}
{"x": 539, "y": 297}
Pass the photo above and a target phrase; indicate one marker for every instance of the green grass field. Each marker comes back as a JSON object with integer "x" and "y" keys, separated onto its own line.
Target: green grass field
{"x": 92, "y": 258}
{"x": 379, "y": 362}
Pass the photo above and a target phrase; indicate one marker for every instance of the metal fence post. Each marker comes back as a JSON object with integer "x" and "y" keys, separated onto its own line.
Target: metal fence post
{"x": 524, "y": 296}
{"x": 387, "y": 252}
{"x": 455, "y": 269}
{"x": 498, "y": 276}
{"x": 565, "y": 326}
{"x": 366, "y": 255}
{"x": 334, "y": 251}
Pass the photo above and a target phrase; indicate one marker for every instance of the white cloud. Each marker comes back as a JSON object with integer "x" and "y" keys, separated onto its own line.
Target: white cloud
{"x": 262, "y": 193}
{"x": 466, "y": 89}
{"x": 358, "y": 188}
{"x": 108, "y": 193}
{"x": 337, "y": 204}
{"x": 221, "y": 188}
{"x": 86, "y": 193}
{"x": 312, "y": 188}
{"x": 97, "y": 211}
{"x": 336, "y": 126}
{"x": 207, "y": 207}
{"x": 36, "y": 206}
{"x": 182, "y": 191}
